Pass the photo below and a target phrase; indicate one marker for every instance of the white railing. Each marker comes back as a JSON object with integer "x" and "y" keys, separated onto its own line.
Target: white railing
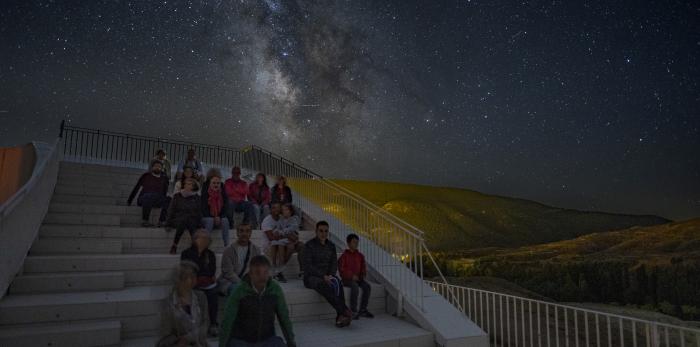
{"x": 516, "y": 321}
{"x": 396, "y": 250}
{"x": 22, "y": 215}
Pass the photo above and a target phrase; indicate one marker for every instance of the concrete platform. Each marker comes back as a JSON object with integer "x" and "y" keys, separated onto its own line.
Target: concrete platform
{"x": 381, "y": 331}
{"x": 69, "y": 334}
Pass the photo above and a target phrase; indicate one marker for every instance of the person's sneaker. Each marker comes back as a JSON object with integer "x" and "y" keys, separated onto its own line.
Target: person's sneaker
{"x": 173, "y": 249}
{"x": 146, "y": 224}
{"x": 356, "y": 316}
{"x": 280, "y": 278}
{"x": 213, "y": 330}
{"x": 301, "y": 275}
{"x": 365, "y": 313}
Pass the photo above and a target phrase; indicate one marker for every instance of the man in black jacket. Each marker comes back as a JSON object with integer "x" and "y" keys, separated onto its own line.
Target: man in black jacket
{"x": 320, "y": 266}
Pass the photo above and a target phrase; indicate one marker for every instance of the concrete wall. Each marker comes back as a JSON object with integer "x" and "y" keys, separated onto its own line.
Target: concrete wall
{"x": 16, "y": 166}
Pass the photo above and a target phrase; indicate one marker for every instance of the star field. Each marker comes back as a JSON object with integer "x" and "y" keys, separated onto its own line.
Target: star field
{"x": 589, "y": 105}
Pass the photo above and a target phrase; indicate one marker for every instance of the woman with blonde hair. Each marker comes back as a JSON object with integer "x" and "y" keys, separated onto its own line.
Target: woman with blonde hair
{"x": 184, "y": 316}
{"x": 205, "y": 259}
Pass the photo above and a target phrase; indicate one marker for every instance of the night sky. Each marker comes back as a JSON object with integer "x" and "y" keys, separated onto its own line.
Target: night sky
{"x": 583, "y": 104}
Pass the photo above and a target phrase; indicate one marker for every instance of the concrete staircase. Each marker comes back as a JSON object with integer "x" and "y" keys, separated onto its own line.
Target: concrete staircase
{"x": 95, "y": 278}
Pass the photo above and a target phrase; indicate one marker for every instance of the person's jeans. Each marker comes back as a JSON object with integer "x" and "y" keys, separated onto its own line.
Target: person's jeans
{"x": 260, "y": 212}
{"x": 241, "y": 206}
{"x": 189, "y": 224}
{"x": 355, "y": 287}
{"x": 212, "y": 304}
{"x": 327, "y": 292}
{"x": 148, "y": 201}
{"x": 272, "y": 341}
{"x": 208, "y": 223}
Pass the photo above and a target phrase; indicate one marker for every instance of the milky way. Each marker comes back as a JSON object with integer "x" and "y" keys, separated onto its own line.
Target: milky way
{"x": 581, "y": 104}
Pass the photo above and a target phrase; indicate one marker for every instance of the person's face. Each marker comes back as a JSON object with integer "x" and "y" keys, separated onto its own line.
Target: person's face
{"x": 275, "y": 209}
{"x": 260, "y": 179}
{"x": 202, "y": 242}
{"x": 190, "y": 154}
{"x": 189, "y": 185}
{"x": 322, "y": 232}
{"x": 236, "y": 173}
{"x": 282, "y": 182}
{"x": 215, "y": 183}
{"x": 188, "y": 172}
{"x": 286, "y": 211}
{"x": 157, "y": 168}
{"x": 259, "y": 274}
{"x": 243, "y": 233}
{"x": 353, "y": 244}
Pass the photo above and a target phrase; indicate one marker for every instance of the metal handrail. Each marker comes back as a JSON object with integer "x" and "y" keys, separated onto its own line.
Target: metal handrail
{"x": 93, "y": 145}
{"x": 353, "y": 194}
{"x": 398, "y": 223}
{"x": 618, "y": 327}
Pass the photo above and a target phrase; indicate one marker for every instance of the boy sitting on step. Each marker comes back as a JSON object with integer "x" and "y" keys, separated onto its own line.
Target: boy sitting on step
{"x": 353, "y": 271}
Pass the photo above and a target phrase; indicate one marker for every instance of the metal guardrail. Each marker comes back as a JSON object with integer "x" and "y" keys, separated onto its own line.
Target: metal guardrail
{"x": 396, "y": 245}
{"x": 22, "y": 215}
{"x": 91, "y": 145}
{"x": 511, "y": 320}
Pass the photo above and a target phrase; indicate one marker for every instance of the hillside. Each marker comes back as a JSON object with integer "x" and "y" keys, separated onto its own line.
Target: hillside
{"x": 659, "y": 243}
{"x": 655, "y": 267}
{"x": 461, "y": 219}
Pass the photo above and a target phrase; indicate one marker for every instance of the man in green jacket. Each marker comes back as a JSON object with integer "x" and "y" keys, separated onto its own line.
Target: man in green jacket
{"x": 249, "y": 316}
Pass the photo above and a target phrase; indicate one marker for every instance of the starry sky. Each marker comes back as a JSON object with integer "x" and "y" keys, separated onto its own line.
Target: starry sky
{"x": 591, "y": 105}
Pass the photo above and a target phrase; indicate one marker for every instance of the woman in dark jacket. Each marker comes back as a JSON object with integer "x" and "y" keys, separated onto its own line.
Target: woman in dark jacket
{"x": 205, "y": 259}
{"x": 185, "y": 212}
{"x": 280, "y": 192}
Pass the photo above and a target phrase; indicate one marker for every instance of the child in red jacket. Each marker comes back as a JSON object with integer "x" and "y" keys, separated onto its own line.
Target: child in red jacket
{"x": 353, "y": 271}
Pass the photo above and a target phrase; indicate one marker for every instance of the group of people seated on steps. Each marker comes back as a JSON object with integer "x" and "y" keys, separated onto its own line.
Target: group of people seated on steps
{"x": 249, "y": 276}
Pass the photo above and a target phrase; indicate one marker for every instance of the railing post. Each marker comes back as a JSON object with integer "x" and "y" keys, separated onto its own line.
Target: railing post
{"x": 655, "y": 338}
{"x": 63, "y": 125}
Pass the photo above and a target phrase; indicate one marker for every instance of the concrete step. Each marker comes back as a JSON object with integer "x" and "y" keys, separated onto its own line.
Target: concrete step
{"x": 48, "y": 246}
{"x": 97, "y": 263}
{"x": 307, "y": 305}
{"x": 70, "y": 334}
{"x": 383, "y": 330}
{"x": 140, "y": 240}
{"x": 73, "y": 167}
{"x": 138, "y": 307}
{"x": 136, "y": 269}
{"x": 87, "y": 191}
{"x": 123, "y": 210}
{"x": 82, "y": 218}
{"x": 82, "y": 199}
{"x": 67, "y": 282}
{"x": 94, "y": 183}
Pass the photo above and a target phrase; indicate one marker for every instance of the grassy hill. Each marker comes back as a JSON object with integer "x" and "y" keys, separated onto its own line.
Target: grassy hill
{"x": 655, "y": 267}
{"x": 460, "y": 219}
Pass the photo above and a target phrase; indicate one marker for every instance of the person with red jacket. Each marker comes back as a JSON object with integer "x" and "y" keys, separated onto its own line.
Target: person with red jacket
{"x": 353, "y": 271}
{"x": 236, "y": 192}
{"x": 259, "y": 196}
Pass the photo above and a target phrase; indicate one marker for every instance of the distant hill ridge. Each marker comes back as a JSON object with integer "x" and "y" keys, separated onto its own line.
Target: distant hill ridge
{"x": 457, "y": 219}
